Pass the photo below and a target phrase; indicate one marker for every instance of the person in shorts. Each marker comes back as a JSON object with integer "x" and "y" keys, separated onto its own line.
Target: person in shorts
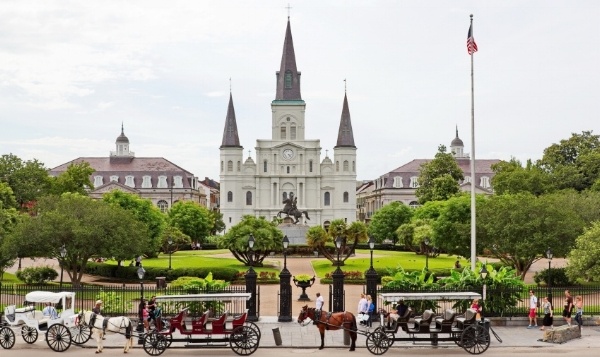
{"x": 568, "y": 307}
{"x": 533, "y": 301}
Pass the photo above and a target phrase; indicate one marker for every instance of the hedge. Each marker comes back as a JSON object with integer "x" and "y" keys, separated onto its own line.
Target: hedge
{"x": 130, "y": 273}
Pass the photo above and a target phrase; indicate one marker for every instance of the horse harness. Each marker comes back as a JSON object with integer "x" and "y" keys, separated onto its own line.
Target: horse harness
{"x": 92, "y": 323}
{"x": 317, "y": 318}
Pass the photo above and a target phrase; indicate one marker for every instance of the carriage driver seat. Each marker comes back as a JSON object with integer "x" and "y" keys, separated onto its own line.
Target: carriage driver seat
{"x": 9, "y": 312}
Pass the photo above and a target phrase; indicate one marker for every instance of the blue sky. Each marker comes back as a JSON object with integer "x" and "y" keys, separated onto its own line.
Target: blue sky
{"x": 72, "y": 71}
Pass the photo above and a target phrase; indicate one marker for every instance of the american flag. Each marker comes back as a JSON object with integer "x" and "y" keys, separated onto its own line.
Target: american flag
{"x": 471, "y": 45}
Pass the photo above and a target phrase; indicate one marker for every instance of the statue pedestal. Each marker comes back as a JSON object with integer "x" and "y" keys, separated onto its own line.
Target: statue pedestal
{"x": 296, "y": 233}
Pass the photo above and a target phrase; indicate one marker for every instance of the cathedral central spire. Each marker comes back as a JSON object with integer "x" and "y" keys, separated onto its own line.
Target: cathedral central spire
{"x": 345, "y": 133}
{"x": 288, "y": 77}
{"x": 230, "y": 133}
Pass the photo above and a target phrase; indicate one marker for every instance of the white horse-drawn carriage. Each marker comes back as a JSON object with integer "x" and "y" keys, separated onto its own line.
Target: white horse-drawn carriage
{"x": 60, "y": 328}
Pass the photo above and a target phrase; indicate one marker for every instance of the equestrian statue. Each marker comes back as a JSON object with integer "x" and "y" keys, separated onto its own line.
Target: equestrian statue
{"x": 291, "y": 209}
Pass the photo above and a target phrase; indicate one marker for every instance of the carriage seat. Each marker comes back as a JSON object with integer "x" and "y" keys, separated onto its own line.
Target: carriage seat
{"x": 9, "y": 312}
{"x": 24, "y": 309}
{"x": 239, "y": 320}
{"x": 466, "y": 320}
{"x": 423, "y": 322}
{"x": 199, "y": 324}
{"x": 445, "y": 322}
{"x": 218, "y": 325}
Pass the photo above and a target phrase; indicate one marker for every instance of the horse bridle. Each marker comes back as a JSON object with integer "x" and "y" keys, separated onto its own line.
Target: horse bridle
{"x": 304, "y": 314}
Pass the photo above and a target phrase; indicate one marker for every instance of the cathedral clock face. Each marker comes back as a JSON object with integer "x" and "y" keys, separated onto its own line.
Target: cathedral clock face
{"x": 288, "y": 154}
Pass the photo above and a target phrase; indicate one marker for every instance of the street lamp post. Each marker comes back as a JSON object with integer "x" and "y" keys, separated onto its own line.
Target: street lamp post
{"x": 170, "y": 241}
{"x": 549, "y": 256}
{"x": 285, "y": 288}
{"x": 63, "y": 253}
{"x": 483, "y": 274}
{"x": 371, "y": 274}
{"x": 140, "y": 327}
{"x": 426, "y": 242}
{"x": 338, "y": 281}
{"x": 250, "y": 278}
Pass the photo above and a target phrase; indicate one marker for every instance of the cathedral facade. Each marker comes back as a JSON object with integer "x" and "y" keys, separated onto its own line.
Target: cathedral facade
{"x": 288, "y": 164}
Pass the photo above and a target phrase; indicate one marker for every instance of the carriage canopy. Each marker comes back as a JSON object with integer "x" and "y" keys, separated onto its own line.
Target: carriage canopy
{"x": 45, "y": 296}
{"x": 395, "y": 297}
{"x": 204, "y": 297}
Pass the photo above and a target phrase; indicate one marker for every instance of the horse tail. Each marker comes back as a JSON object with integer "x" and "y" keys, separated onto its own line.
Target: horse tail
{"x": 306, "y": 214}
{"x": 128, "y": 329}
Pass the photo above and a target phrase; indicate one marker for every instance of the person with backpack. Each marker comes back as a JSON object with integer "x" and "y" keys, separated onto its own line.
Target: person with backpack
{"x": 370, "y": 311}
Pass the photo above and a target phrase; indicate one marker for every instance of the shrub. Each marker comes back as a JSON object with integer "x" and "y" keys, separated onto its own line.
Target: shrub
{"x": 558, "y": 277}
{"x": 37, "y": 275}
{"x": 130, "y": 273}
{"x": 112, "y": 302}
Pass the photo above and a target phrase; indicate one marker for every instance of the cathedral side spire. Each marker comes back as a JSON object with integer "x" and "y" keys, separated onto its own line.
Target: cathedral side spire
{"x": 345, "y": 134}
{"x": 288, "y": 77}
{"x": 230, "y": 133}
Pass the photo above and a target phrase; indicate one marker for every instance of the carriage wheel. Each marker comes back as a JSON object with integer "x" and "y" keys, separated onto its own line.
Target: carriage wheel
{"x": 7, "y": 338}
{"x": 244, "y": 340}
{"x": 81, "y": 334}
{"x": 169, "y": 339}
{"x": 255, "y": 327}
{"x": 378, "y": 342}
{"x": 475, "y": 339}
{"x": 390, "y": 335}
{"x": 29, "y": 334}
{"x": 155, "y": 344}
{"x": 58, "y": 338}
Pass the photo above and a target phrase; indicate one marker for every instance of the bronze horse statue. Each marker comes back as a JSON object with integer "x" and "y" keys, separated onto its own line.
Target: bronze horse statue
{"x": 290, "y": 209}
{"x": 330, "y": 321}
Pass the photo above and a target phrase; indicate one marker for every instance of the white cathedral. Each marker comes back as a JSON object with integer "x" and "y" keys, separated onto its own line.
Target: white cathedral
{"x": 288, "y": 163}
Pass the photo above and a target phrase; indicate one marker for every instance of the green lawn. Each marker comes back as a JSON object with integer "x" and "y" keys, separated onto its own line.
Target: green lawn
{"x": 9, "y": 278}
{"x": 388, "y": 259}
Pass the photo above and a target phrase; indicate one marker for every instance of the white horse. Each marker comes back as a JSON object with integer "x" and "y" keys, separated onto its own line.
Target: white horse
{"x": 101, "y": 326}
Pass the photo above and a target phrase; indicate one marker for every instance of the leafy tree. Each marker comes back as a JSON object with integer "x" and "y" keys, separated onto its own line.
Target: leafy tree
{"x": 572, "y": 163}
{"x": 191, "y": 219}
{"x": 8, "y": 253}
{"x": 86, "y": 227}
{"x": 512, "y": 177}
{"x": 29, "y": 180}
{"x": 178, "y": 240}
{"x": 438, "y": 179}
{"x": 267, "y": 238}
{"x": 519, "y": 228}
{"x": 386, "y": 221}
{"x": 7, "y": 197}
{"x": 412, "y": 235}
{"x": 583, "y": 258}
{"x": 351, "y": 235}
{"x": 219, "y": 225}
{"x": 145, "y": 212}
{"x": 76, "y": 180}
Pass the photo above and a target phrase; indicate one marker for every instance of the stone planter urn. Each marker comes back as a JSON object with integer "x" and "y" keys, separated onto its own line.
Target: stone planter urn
{"x": 304, "y": 284}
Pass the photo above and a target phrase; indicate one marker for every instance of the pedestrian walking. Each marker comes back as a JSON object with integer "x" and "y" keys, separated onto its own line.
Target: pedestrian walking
{"x": 362, "y": 309}
{"x": 533, "y": 304}
{"x": 568, "y": 307}
{"x": 579, "y": 310}
{"x": 548, "y": 321}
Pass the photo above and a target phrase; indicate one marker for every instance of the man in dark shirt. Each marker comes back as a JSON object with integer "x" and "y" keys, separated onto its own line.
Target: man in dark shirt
{"x": 98, "y": 308}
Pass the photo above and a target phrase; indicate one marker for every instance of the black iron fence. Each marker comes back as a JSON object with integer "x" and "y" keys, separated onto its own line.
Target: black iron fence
{"x": 507, "y": 302}
{"x": 123, "y": 300}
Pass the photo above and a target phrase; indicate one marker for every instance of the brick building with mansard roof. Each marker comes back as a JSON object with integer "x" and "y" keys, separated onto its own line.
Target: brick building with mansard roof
{"x": 154, "y": 178}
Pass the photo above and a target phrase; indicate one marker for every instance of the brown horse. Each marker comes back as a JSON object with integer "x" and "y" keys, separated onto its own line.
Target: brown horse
{"x": 330, "y": 321}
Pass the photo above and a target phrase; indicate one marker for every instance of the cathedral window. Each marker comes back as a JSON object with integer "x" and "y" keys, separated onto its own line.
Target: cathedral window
{"x": 221, "y": 166}
{"x": 229, "y": 196}
{"x": 248, "y": 198}
{"x": 414, "y": 182}
{"x": 337, "y": 166}
{"x": 310, "y": 165}
{"x": 353, "y": 166}
{"x": 288, "y": 79}
{"x": 129, "y": 181}
{"x": 147, "y": 182}
{"x": 283, "y": 132}
{"x": 288, "y": 169}
{"x": 327, "y": 199}
{"x": 293, "y": 131}
{"x": 285, "y": 196}
{"x": 398, "y": 182}
{"x": 114, "y": 178}
{"x": 230, "y": 166}
{"x": 239, "y": 166}
{"x": 485, "y": 182}
{"x": 346, "y": 165}
{"x": 162, "y": 205}
{"x": 97, "y": 181}
{"x": 265, "y": 166}
{"x": 346, "y": 196}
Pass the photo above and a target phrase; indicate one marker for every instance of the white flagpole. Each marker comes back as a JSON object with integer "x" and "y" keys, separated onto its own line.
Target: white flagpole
{"x": 473, "y": 211}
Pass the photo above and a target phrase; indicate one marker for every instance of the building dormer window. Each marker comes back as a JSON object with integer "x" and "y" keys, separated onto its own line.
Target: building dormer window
{"x": 485, "y": 182}
{"x": 414, "y": 182}
{"x": 398, "y": 182}
{"x": 98, "y": 181}
{"x": 114, "y": 178}
{"x": 413, "y": 204}
{"x": 147, "y": 182}
{"x": 288, "y": 79}
{"x": 467, "y": 179}
{"x": 177, "y": 182}
{"x": 162, "y": 182}
{"x": 129, "y": 181}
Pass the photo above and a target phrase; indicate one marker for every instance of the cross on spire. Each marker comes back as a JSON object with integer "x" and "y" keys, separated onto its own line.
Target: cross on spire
{"x": 326, "y": 153}
{"x": 345, "y": 88}
{"x": 288, "y": 7}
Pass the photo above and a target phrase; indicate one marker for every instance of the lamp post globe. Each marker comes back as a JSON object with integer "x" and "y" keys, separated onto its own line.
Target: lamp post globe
{"x": 484, "y": 273}
{"x": 63, "y": 253}
{"x": 549, "y": 257}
